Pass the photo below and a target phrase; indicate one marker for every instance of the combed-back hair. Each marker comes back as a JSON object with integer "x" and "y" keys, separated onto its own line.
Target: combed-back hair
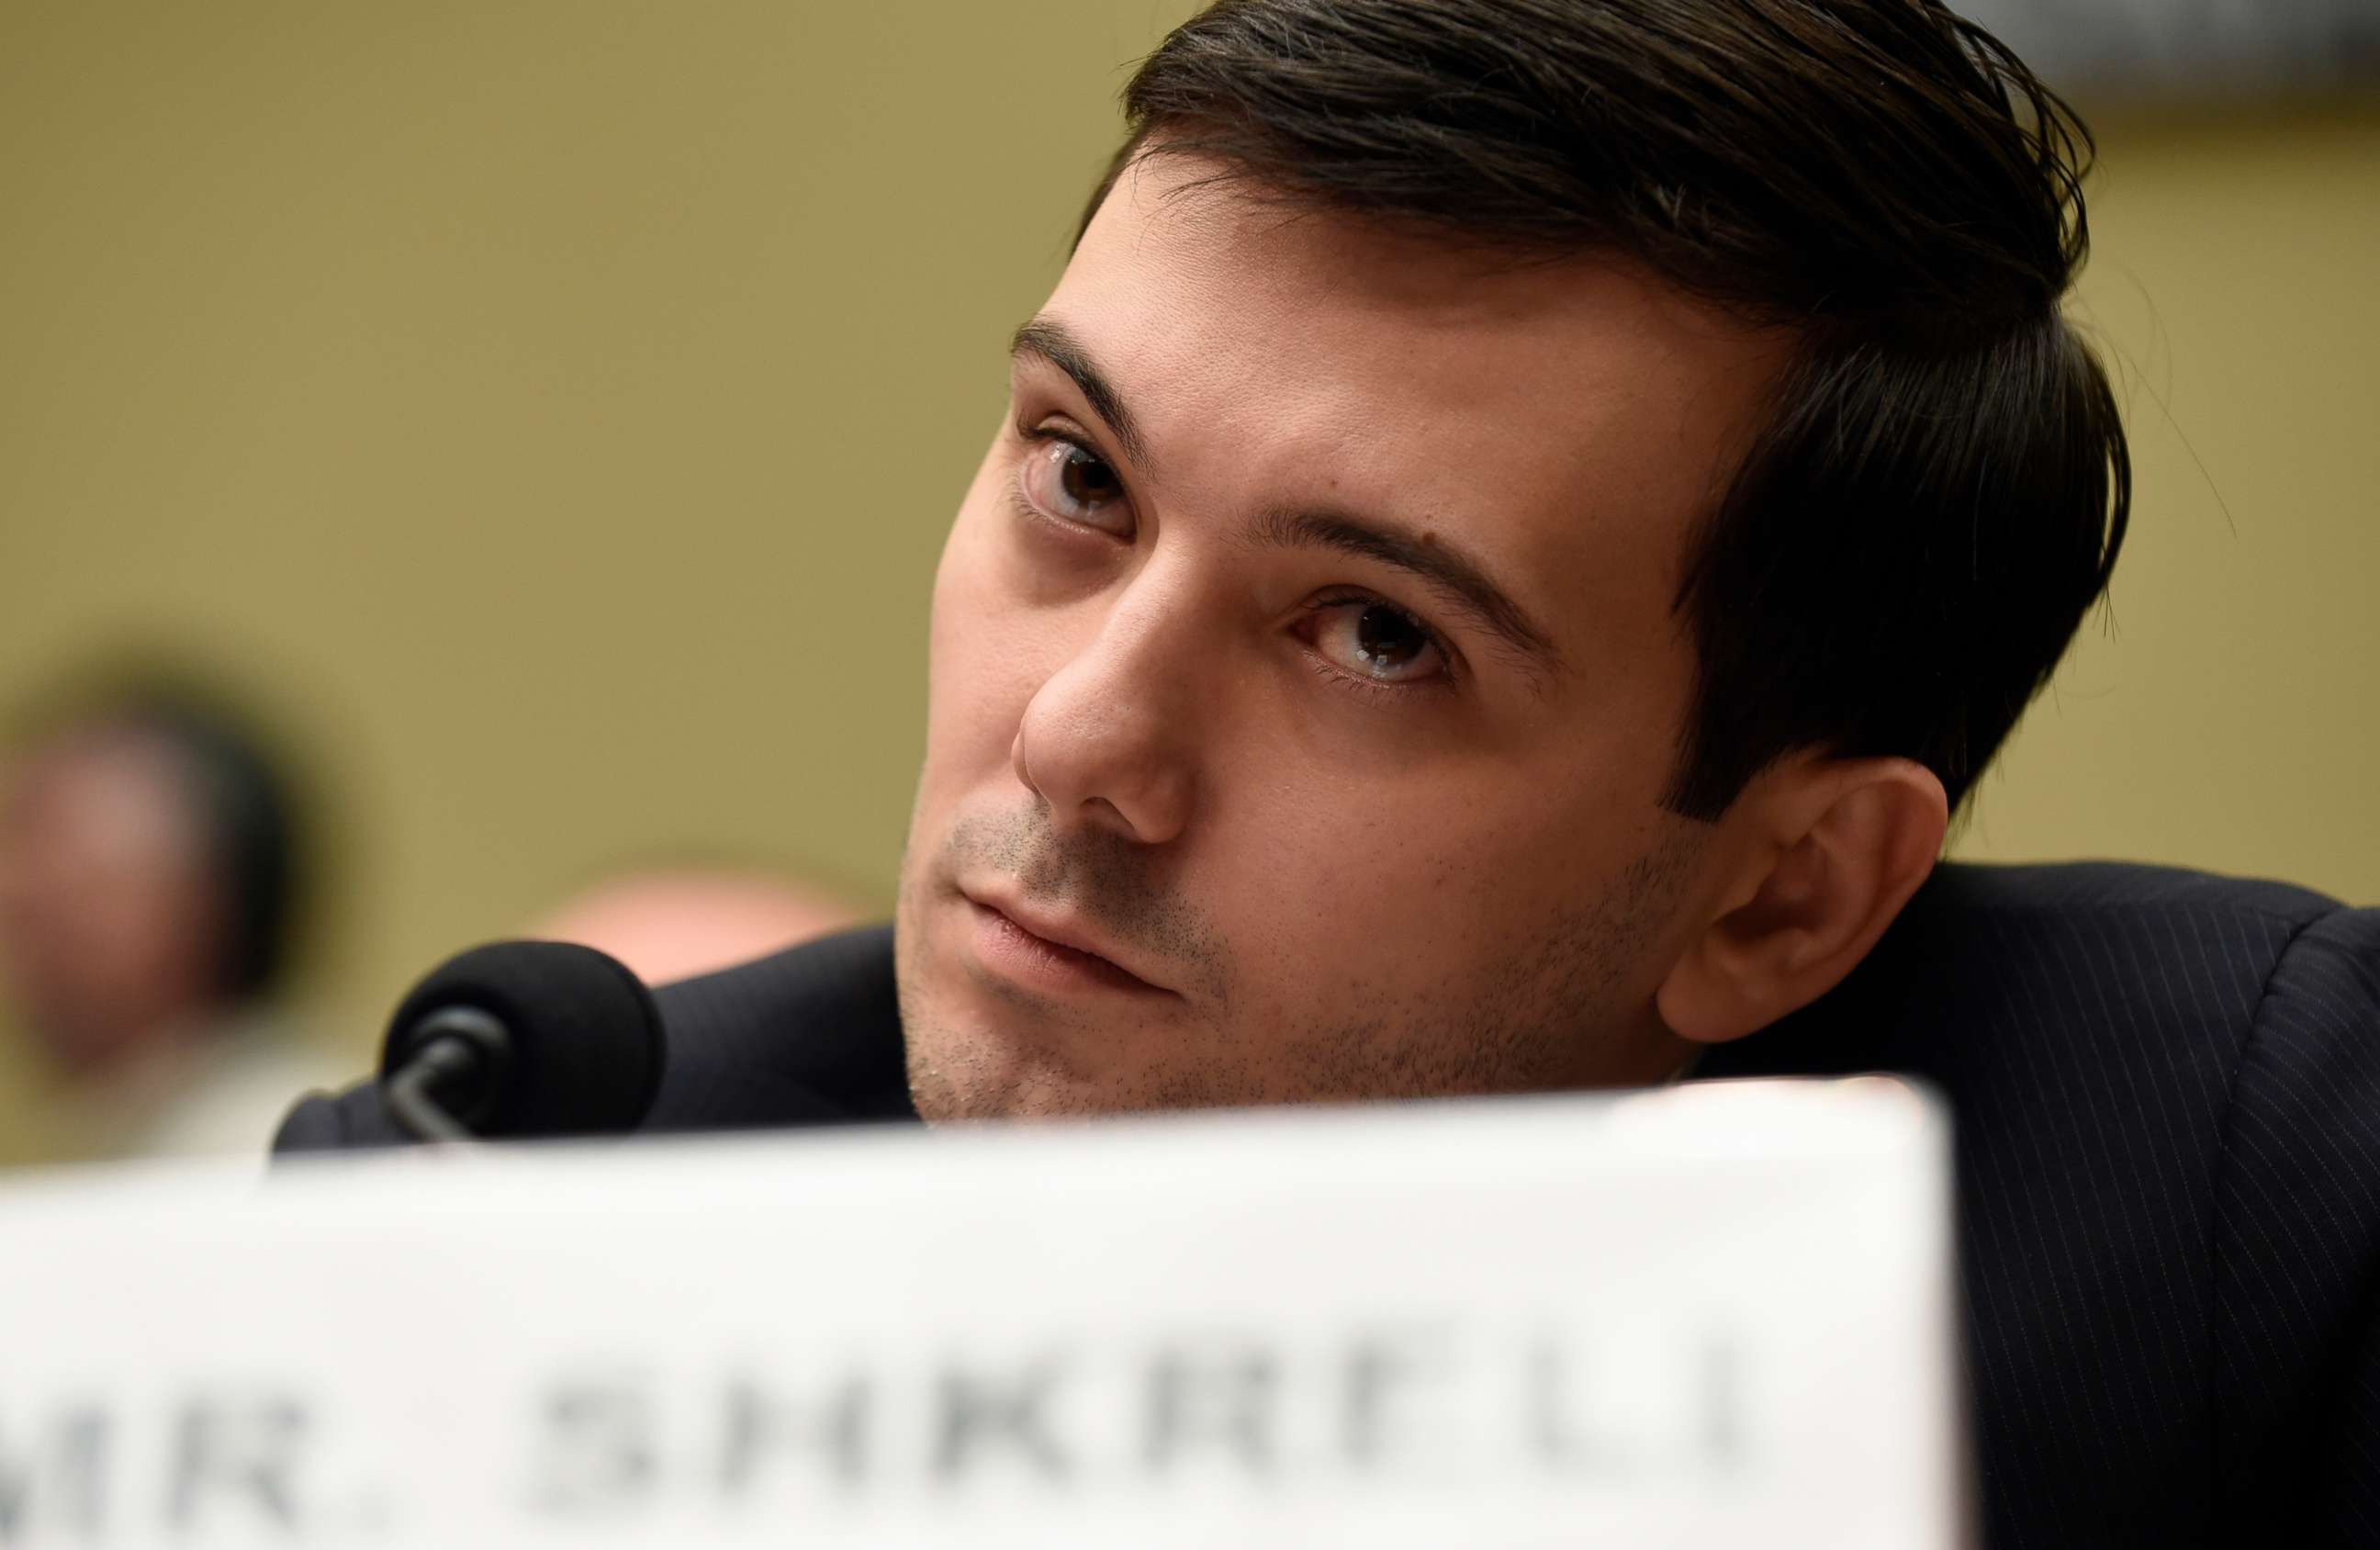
{"x": 1941, "y": 485}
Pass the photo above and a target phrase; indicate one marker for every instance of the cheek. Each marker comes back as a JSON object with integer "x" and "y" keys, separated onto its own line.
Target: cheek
{"x": 964, "y": 661}
{"x": 986, "y": 648}
{"x": 1353, "y": 889}
{"x": 1406, "y": 891}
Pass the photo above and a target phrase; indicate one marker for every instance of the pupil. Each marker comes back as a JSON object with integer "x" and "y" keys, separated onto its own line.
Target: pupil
{"x": 1085, "y": 479}
{"x": 1386, "y": 638}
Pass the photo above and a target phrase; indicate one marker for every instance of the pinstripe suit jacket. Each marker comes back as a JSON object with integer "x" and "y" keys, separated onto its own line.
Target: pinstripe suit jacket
{"x": 2166, "y": 1089}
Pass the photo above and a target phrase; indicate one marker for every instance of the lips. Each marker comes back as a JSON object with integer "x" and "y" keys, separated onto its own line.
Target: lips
{"x": 1066, "y": 942}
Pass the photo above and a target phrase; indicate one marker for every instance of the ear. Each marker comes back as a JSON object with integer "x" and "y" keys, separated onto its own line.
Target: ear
{"x": 1832, "y": 850}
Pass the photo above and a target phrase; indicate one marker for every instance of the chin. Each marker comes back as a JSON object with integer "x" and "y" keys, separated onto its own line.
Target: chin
{"x": 957, "y": 1087}
{"x": 966, "y": 1065}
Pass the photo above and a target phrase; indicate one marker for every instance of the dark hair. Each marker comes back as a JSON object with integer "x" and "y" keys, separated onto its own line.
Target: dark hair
{"x": 239, "y": 791}
{"x": 1942, "y": 485}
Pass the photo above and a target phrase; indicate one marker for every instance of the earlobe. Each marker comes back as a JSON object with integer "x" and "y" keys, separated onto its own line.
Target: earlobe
{"x": 1835, "y": 848}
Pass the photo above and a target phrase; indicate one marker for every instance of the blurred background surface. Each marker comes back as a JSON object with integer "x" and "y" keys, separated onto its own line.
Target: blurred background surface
{"x": 546, "y": 416}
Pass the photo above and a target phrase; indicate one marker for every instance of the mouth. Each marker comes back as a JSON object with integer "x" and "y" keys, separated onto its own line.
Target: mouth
{"x": 1045, "y": 951}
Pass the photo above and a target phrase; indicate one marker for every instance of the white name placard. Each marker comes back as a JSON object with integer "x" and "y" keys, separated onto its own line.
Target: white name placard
{"x": 1716, "y": 1314}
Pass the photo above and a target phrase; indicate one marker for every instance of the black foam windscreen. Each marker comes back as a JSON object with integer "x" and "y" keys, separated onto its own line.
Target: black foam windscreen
{"x": 586, "y": 1051}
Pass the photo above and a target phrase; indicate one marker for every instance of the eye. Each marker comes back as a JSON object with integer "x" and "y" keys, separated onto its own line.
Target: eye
{"x": 1377, "y": 642}
{"x": 1066, "y": 480}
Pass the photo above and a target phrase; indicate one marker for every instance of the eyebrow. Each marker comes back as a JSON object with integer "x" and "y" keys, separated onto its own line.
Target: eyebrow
{"x": 1434, "y": 560}
{"x": 1426, "y": 555}
{"x": 1045, "y": 338}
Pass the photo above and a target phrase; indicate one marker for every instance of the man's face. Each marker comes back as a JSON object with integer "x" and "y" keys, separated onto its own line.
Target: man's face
{"x": 1304, "y": 680}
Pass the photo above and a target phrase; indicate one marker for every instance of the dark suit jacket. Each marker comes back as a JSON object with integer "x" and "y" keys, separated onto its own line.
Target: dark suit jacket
{"x": 2166, "y": 1089}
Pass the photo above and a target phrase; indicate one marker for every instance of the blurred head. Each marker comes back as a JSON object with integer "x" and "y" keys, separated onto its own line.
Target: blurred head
{"x": 668, "y": 924}
{"x": 146, "y": 867}
{"x": 1515, "y": 530}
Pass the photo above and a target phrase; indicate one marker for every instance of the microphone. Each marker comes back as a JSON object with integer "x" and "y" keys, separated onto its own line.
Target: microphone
{"x": 515, "y": 1040}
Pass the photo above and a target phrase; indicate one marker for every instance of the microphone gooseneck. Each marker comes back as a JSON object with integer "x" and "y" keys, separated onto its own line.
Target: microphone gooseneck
{"x": 515, "y": 1040}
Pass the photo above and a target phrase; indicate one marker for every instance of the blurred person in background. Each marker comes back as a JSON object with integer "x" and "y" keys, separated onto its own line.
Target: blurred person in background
{"x": 676, "y": 922}
{"x": 150, "y": 867}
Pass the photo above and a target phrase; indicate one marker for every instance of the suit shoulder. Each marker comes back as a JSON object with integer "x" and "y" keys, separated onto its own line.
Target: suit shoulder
{"x": 812, "y": 1034}
{"x": 2004, "y": 974}
{"x": 2095, "y": 889}
{"x": 2298, "y": 1244}
{"x": 2096, "y": 1030}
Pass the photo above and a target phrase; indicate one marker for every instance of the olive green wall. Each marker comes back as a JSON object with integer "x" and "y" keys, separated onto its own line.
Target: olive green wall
{"x": 551, "y": 410}
{"x": 2226, "y": 711}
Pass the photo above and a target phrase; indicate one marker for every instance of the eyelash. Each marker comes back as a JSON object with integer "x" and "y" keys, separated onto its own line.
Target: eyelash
{"x": 1042, "y": 436}
{"x": 1451, "y": 676}
{"x": 1371, "y": 688}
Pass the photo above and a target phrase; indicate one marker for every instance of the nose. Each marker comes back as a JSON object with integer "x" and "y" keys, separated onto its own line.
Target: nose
{"x": 1107, "y": 740}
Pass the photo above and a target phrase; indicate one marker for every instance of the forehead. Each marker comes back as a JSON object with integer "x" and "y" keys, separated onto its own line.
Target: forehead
{"x": 1568, "y": 420}
{"x": 105, "y": 792}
